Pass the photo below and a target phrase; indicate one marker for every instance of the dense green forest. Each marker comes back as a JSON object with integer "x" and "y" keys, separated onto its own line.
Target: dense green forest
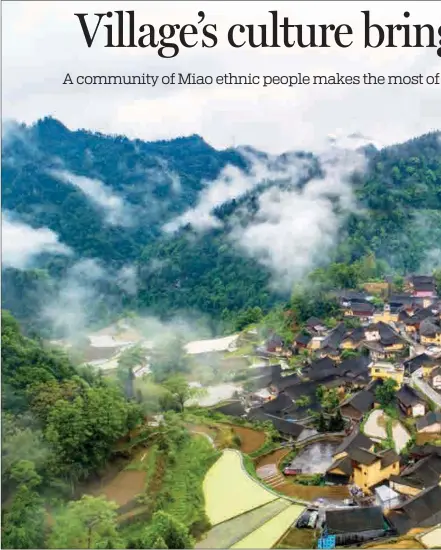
{"x": 397, "y": 219}
{"x": 63, "y": 425}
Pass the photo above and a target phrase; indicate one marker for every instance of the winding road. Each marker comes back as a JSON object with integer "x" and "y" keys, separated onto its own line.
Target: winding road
{"x": 424, "y": 387}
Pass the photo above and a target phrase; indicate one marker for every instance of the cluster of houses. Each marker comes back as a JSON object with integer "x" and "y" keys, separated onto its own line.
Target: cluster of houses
{"x": 397, "y": 341}
{"x": 404, "y": 498}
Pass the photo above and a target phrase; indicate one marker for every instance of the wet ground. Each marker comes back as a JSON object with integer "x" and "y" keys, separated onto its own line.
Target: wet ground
{"x": 267, "y": 469}
{"x": 315, "y": 458}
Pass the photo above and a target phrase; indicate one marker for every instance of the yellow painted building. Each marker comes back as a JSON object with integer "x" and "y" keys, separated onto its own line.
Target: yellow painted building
{"x": 349, "y": 344}
{"x": 435, "y": 339}
{"x": 384, "y": 370}
{"x": 404, "y": 489}
{"x": 315, "y": 343}
{"x": 398, "y": 346}
{"x": 410, "y": 329}
{"x": 368, "y": 475}
{"x": 385, "y": 316}
{"x": 360, "y": 465}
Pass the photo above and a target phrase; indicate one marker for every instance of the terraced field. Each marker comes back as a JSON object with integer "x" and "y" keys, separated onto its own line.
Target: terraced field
{"x": 251, "y": 440}
{"x": 229, "y": 491}
{"x": 228, "y": 533}
{"x": 271, "y": 531}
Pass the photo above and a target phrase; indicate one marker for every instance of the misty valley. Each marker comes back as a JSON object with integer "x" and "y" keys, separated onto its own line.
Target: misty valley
{"x": 186, "y": 329}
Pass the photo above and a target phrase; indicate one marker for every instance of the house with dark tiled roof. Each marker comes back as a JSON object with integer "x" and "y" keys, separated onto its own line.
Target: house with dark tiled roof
{"x": 327, "y": 351}
{"x": 274, "y": 344}
{"x": 422, "y": 286}
{"x": 353, "y": 339}
{"x": 419, "y": 476}
{"x": 335, "y": 337}
{"x": 358, "y": 404}
{"x": 302, "y": 340}
{"x": 287, "y": 429}
{"x": 322, "y": 368}
{"x": 430, "y": 423}
{"x": 355, "y": 461}
{"x": 352, "y": 526}
{"x": 353, "y": 441}
{"x": 231, "y": 408}
{"x": 410, "y": 402}
{"x": 435, "y": 378}
{"x": 430, "y": 331}
{"x": 423, "y": 510}
{"x": 362, "y": 310}
{"x": 423, "y": 361}
{"x": 387, "y": 346}
{"x": 412, "y": 322}
{"x": 276, "y": 406}
{"x": 316, "y": 325}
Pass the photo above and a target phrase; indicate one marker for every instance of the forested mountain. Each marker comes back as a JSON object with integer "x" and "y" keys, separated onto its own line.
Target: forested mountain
{"x": 108, "y": 198}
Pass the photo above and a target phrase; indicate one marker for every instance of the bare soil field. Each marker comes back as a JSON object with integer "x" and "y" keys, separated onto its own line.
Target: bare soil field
{"x": 251, "y": 440}
{"x": 124, "y": 487}
{"x": 298, "y": 538}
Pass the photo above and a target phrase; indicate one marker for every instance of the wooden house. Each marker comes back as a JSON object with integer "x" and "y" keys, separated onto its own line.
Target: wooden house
{"x": 410, "y": 402}
{"x": 435, "y": 378}
{"x": 430, "y": 423}
{"x": 352, "y": 526}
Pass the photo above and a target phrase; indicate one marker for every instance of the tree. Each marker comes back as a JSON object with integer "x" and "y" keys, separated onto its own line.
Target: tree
{"x": 398, "y": 283}
{"x": 166, "y": 529}
{"x": 303, "y": 401}
{"x": 86, "y": 523}
{"x": 385, "y": 394}
{"x": 336, "y": 423}
{"x": 169, "y": 359}
{"x": 320, "y": 391}
{"x": 348, "y": 353}
{"x": 321, "y": 426}
{"x": 329, "y": 399}
{"x": 127, "y": 361}
{"x": 24, "y": 472}
{"x": 82, "y": 431}
{"x": 23, "y": 524}
{"x": 180, "y": 390}
{"x": 248, "y": 317}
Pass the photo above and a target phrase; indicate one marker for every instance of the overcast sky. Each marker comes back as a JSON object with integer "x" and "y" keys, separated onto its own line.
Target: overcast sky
{"x": 42, "y": 41}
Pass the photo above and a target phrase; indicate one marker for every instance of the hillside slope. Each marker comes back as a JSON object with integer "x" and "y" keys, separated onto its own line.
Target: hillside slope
{"x": 109, "y": 198}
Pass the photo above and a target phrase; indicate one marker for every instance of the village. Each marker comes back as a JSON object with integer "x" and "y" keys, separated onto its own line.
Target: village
{"x": 356, "y": 410}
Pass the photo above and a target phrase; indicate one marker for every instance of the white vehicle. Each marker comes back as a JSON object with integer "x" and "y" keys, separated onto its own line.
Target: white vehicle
{"x": 312, "y": 520}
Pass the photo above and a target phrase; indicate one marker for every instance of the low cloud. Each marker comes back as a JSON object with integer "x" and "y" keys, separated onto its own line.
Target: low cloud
{"x": 127, "y": 279}
{"x": 116, "y": 211}
{"x": 298, "y": 219}
{"x": 80, "y": 296}
{"x": 22, "y": 244}
{"x": 234, "y": 183}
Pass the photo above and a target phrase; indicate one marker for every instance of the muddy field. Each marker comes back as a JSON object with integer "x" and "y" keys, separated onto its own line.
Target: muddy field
{"x": 124, "y": 488}
{"x": 298, "y": 538}
{"x": 251, "y": 440}
{"x": 119, "y": 485}
{"x": 273, "y": 458}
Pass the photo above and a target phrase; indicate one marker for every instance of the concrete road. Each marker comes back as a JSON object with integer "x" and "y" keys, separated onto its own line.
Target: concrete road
{"x": 424, "y": 387}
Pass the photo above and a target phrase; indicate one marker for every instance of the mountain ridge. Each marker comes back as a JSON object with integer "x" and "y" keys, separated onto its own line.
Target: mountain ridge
{"x": 108, "y": 199}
